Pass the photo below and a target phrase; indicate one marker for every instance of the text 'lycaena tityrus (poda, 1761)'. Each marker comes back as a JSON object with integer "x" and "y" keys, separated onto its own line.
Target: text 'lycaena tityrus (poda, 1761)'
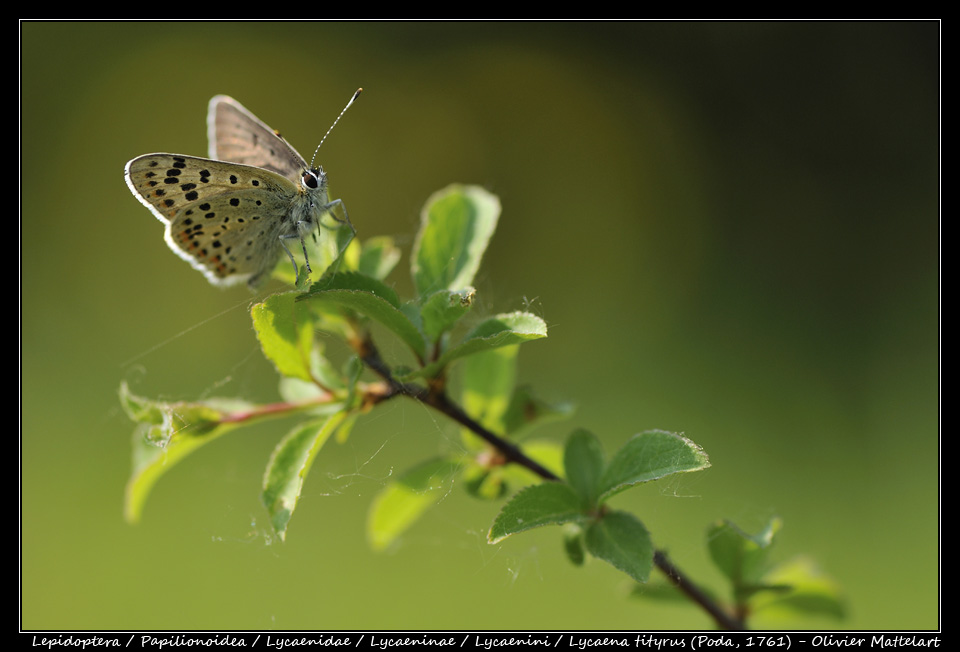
{"x": 231, "y": 215}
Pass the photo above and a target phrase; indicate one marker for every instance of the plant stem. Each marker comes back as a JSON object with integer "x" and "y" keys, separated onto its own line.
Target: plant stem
{"x": 442, "y": 403}
{"x": 276, "y": 409}
{"x": 723, "y": 619}
{"x": 509, "y": 450}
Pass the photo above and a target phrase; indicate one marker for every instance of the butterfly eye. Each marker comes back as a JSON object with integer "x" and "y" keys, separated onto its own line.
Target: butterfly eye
{"x": 311, "y": 178}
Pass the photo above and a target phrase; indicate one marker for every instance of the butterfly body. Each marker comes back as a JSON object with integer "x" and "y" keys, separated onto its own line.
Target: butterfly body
{"x": 231, "y": 215}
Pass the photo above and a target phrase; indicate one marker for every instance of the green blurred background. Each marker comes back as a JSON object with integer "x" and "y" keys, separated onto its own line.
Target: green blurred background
{"x": 732, "y": 230}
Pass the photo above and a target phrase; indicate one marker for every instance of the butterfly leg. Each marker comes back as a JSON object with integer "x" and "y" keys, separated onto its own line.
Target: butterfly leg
{"x": 328, "y": 208}
{"x": 296, "y": 268}
{"x": 306, "y": 259}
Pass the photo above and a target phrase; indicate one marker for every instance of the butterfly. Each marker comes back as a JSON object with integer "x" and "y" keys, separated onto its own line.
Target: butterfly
{"x": 231, "y": 215}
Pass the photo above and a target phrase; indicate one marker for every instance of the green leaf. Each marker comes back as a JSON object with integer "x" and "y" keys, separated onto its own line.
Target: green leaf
{"x": 326, "y": 379}
{"x": 343, "y": 432}
{"x": 573, "y": 544}
{"x": 488, "y": 379}
{"x": 354, "y": 281}
{"x": 550, "y": 503}
{"x": 741, "y": 557}
{"x": 140, "y": 409}
{"x": 371, "y": 298}
{"x": 583, "y": 464}
{"x": 151, "y": 461}
{"x": 808, "y": 592}
{"x": 404, "y": 500}
{"x": 489, "y": 477}
{"x": 795, "y": 588}
{"x": 285, "y": 330}
{"x": 548, "y": 453}
{"x": 621, "y": 540}
{"x": 455, "y": 227}
{"x": 503, "y": 330}
{"x": 443, "y": 309}
{"x": 288, "y": 467}
{"x": 378, "y": 257}
{"x": 485, "y": 483}
{"x": 324, "y": 372}
{"x": 527, "y": 412}
{"x": 168, "y": 432}
{"x": 649, "y": 456}
{"x": 352, "y": 369}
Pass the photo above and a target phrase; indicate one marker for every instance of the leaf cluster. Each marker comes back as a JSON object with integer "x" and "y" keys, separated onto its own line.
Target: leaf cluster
{"x": 439, "y": 334}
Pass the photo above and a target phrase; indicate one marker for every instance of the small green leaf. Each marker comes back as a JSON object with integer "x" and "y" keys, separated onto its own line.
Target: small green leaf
{"x": 809, "y": 592}
{"x": 323, "y": 370}
{"x": 443, "y": 309}
{"x": 485, "y": 483}
{"x": 649, "y": 456}
{"x": 402, "y": 502}
{"x": 151, "y": 461}
{"x": 492, "y": 478}
{"x": 371, "y": 298}
{"x": 489, "y": 477}
{"x": 583, "y": 464}
{"x": 741, "y": 557}
{"x": 527, "y": 412}
{"x": 488, "y": 378}
{"x": 140, "y": 409}
{"x": 573, "y": 543}
{"x": 503, "y": 330}
{"x": 343, "y": 432}
{"x": 285, "y": 330}
{"x": 288, "y": 467}
{"x": 168, "y": 432}
{"x": 621, "y": 540}
{"x": 352, "y": 369}
{"x": 378, "y": 257}
{"x": 550, "y": 503}
{"x": 507, "y": 328}
{"x": 548, "y": 453}
{"x": 353, "y": 281}
{"x": 455, "y": 227}
{"x": 326, "y": 378}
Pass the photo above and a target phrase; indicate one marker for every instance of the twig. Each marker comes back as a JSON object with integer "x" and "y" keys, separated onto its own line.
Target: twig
{"x": 276, "y": 409}
{"x": 441, "y": 402}
{"x": 692, "y": 591}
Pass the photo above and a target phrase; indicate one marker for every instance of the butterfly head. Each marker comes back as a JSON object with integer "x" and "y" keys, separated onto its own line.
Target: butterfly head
{"x": 313, "y": 179}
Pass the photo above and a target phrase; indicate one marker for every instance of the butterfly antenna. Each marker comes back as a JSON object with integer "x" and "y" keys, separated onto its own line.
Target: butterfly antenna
{"x": 352, "y": 99}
